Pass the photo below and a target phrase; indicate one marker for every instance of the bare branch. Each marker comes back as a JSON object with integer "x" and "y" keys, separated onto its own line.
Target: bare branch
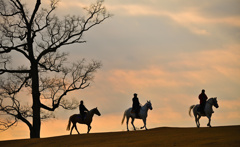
{"x": 71, "y": 29}
{"x": 4, "y": 125}
{"x": 80, "y": 75}
{"x": 38, "y": 3}
{"x": 38, "y": 35}
{"x": 53, "y": 61}
{"x": 69, "y": 105}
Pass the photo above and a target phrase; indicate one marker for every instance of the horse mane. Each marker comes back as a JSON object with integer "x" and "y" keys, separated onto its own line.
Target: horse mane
{"x": 146, "y": 103}
{"x": 212, "y": 98}
{"x": 93, "y": 109}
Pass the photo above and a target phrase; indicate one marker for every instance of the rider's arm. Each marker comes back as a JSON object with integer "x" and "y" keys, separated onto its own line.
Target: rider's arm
{"x": 85, "y": 108}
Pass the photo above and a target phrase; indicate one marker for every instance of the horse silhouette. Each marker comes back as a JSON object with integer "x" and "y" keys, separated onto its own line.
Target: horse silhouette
{"x": 76, "y": 118}
{"x": 142, "y": 115}
{"x": 208, "y": 111}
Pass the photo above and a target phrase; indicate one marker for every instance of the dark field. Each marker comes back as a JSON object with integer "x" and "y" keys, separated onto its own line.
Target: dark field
{"x": 228, "y": 136}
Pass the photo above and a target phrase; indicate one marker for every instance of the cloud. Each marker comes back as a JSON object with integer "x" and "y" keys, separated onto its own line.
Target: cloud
{"x": 184, "y": 68}
{"x": 166, "y": 51}
{"x": 192, "y": 18}
{"x": 72, "y": 4}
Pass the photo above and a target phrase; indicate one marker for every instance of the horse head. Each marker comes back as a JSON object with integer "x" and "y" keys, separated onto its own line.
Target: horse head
{"x": 215, "y": 103}
{"x": 149, "y": 105}
{"x": 96, "y": 111}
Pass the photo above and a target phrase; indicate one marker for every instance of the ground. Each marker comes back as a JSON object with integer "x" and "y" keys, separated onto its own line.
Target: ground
{"x": 164, "y": 136}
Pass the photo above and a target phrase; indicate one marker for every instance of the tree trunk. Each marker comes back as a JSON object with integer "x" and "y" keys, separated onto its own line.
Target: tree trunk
{"x": 35, "y": 132}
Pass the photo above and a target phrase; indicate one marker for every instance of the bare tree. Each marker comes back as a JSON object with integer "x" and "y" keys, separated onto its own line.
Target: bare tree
{"x": 37, "y": 35}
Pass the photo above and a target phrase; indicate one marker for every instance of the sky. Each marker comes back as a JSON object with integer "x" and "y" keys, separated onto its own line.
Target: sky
{"x": 167, "y": 52}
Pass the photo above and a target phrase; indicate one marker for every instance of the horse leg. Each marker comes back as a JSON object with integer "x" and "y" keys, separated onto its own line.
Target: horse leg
{"x": 127, "y": 123}
{"x": 133, "y": 124}
{"x": 197, "y": 117}
{"x": 72, "y": 129}
{"x": 196, "y": 121}
{"x": 209, "y": 121}
{"x": 76, "y": 128}
{"x": 89, "y": 128}
{"x": 144, "y": 122}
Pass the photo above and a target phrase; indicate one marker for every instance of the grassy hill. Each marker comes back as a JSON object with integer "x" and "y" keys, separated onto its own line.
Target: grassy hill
{"x": 164, "y": 136}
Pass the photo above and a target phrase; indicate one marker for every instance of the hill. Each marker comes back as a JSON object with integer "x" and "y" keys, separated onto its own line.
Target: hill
{"x": 164, "y": 136}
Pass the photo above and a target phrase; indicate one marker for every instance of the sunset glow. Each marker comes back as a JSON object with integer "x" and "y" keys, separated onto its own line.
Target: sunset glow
{"x": 167, "y": 52}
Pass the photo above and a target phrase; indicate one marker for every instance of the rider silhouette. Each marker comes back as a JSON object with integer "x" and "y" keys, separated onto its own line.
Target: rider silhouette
{"x": 203, "y": 98}
{"x": 136, "y": 105}
{"x": 82, "y": 110}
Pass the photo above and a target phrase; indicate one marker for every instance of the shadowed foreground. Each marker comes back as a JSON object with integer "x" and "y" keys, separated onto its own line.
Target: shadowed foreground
{"x": 216, "y": 136}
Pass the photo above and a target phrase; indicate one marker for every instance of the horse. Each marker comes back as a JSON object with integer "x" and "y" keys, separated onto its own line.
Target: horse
{"x": 208, "y": 111}
{"x": 142, "y": 115}
{"x": 77, "y": 118}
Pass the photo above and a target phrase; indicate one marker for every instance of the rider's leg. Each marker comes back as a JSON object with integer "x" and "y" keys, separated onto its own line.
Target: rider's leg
{"x": 203, "y": 107}
{"x": 83, "y": 116}
{"x": 136, "y": 112}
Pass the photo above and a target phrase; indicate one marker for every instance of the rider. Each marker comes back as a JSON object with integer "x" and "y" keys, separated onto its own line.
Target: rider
{"x": 203, "y": 98}
{"x": 82, "y": 110}
{"x": 136, "y": 105}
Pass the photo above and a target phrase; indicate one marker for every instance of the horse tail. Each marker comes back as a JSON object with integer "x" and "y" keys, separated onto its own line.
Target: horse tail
{"x": 124, "y": 115}
{"x": 69, "y": 124}
{"x": 191, "y": 109}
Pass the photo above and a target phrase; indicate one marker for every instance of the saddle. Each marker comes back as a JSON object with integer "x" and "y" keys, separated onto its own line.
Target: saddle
{"x": 136, "y": 113}
{"x": 80, "y": 116}
{"x": 201, "y": 112}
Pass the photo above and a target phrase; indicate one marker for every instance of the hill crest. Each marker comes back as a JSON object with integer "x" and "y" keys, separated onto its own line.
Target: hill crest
{"x": 162, "y": 136}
